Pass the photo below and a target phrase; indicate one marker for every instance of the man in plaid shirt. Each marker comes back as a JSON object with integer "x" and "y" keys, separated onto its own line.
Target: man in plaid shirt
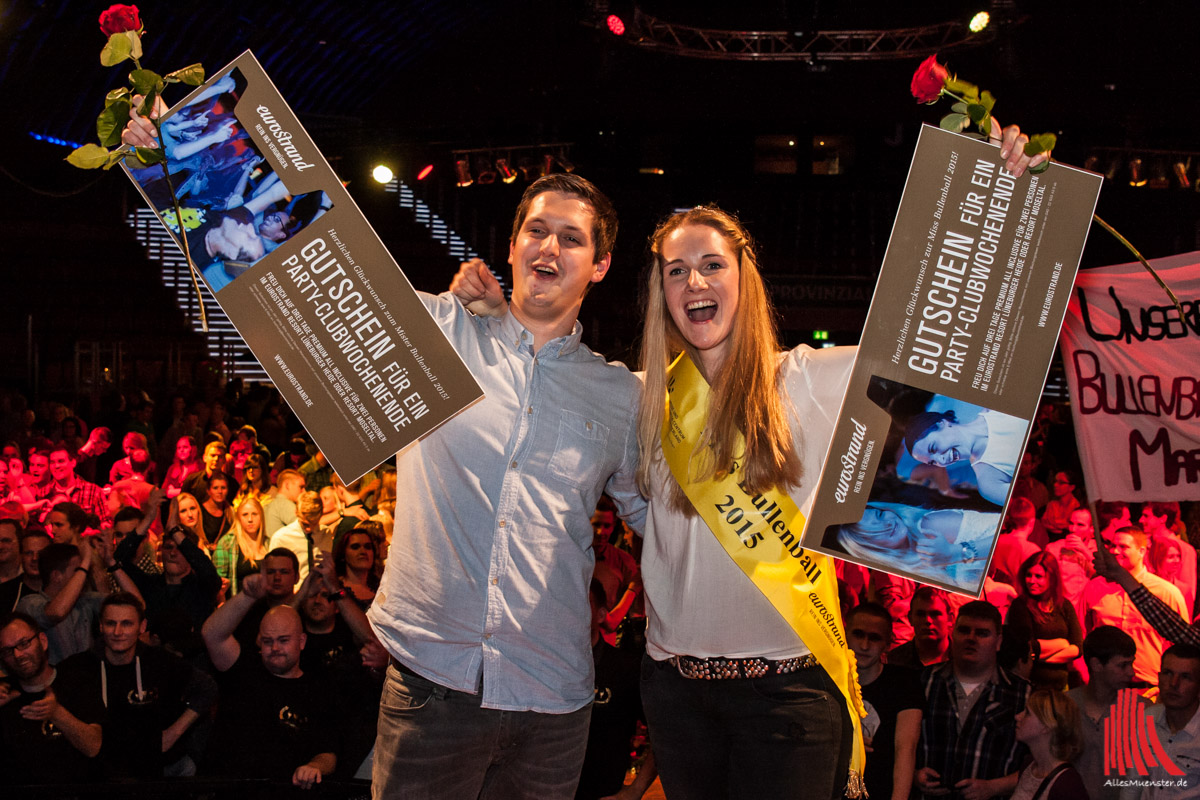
{"x": 64, "y": 481}
{"x": 968, "y": 734}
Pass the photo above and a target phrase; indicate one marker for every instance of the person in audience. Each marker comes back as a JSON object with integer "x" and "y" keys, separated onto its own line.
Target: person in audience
{"x": 304, "y": 537}
{"x": 354, "y": 562}
{"x": 214, "y": 461}
{"x": 28, "y": 580}
{"x": 1013, "y": 545}
{"x": 1121, "y": 568}
{"x": 185, "y": 513}
{"x": 1057, "y": 512}
{"x": 254, "y": 483}
{"x": 137, "y": 461}
{"x": 277, "y": 573}
{"x": 616, "y": 570}
{"x": 1041, "y": 609}
{"x": 352, "y": 506}
{"x": 968, "y": 731}
{"x": 275, "y": 720}
{"x": 240, "y": 550}
{"x": 187, "y": 587}
{"x": 187, "y": 462}
{"x": 64, "y": 481}
{"x": 216, "y": 513}
{"x": 1166, "y": 561}
{"x": 1049, "y": 727}
{"x": 931, "y": 618}
{"x": 65, "y": 609}
{"x": 50, "y": 729}
{"x": 616, "y": 712}
{"x": 10, "y": 553}
{"x": 894, "y": 702}
{"x": 316, "y": 471}
{"x": 1158, "y": 520}
{"x": 281, "y": 510}
{"x": 152, "y": 698}
{"x": 1176, "y": 724}
{"x": 1108, "y": 653}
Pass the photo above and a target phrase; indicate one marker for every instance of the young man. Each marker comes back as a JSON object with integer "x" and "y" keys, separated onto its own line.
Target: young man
{"x": 187, "y": 586}
{"x": 50, "y": 730}
{"x": 282, "y": 509}
{"x": 968, "y": 733}
{"x": 1107, "y": 604}
{"x": 275, "y": 720}
{"x": 64, "y": 481}
{"x": 1177, "y": 725}
{"x": 484, "y": 604}
{"x": 303, "y": 536}
{"x": 32, "y": 542}
{"x": 152, "y": 697}
{"x": 10, "y": 553}
{"x": 931, "y": 617}
{"x": 1108, "y": 653}
{"x": 894, "y": 702}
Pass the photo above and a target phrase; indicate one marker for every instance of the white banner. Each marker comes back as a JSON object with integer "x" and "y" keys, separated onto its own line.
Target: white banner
{"x": 1133, "y": 368}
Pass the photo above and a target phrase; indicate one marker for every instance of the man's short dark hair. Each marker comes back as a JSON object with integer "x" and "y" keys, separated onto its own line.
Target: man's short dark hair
{"x": 283, "y": 552}
{"x": 604, "y": 224}
{"x": 1017, "y": 645}
{"x": 16, "y": 524}
{"x": 127, "y": 514}
{"x": 926, "y": 593}
{"x": 980, "y": 609}
{"x": 1108, "y": 510}
{"x": 55, "y": 557}
{"x": 873, "y": 609}
{"x": 1106, "y": 642}
{"x": 123, "y": 599}
{"x": 20, "y": 616}
{"x": 1183, "y": 650}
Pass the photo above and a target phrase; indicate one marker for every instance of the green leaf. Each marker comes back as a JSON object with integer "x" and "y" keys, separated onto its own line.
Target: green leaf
{"x": 117, "y": 94}
{"x": 1039, "y": 169}
{"x": 1042, "y": 143}
{"x": 117, "y": 50}
{"x": 90, "y": 156}
{"x": 977, "y": 113}
{"x": 145, "y": 81}
{"x": 959, "y": 108}
{"x": 954, "y": 122}
{"x": 986, "y": 126}
{"x": 111, "y": 122}
{"x": 114, "y": 157}
{"x": 135, "y": 44}
{"x": 148, "y": 103}
{"x": 192, "y": 75}
{"x": 987, "y": 101}
{"x": 149, "y": 155}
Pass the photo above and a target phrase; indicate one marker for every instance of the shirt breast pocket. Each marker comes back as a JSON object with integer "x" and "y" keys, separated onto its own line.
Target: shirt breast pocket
{"x": 579, "y": 453}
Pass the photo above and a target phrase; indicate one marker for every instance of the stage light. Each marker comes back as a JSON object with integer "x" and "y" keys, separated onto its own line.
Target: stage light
{"x": 979, "y": 21}
{"x": 425, "y": 172}
{"x": 507, "y": 173}
{"x": 484, "y": 174}
{"x": 821, "y": 336}
{"x": 566, "y": 164}
{"x": 652, "y": 171}
{"x": 547, "y": 163}
{"x": 1137, "y": 176}
{"x": 383, "y": 173}
{"x": 1180, "y": 169}
{"x": 1158, "y": 175}
{"x": 616, "y": 25}
{"x": 1114, "y": 168}
{"x": 463, "y": 172}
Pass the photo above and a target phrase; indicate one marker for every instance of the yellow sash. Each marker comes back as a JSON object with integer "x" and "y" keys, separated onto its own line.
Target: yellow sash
{"x": 761, "y": 533}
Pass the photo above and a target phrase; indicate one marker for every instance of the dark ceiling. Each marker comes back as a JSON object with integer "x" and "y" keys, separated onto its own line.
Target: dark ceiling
{"x": 413, "y": 80}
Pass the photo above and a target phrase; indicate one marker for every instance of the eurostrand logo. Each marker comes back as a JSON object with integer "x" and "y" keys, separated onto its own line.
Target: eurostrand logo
{"x": 1131, "y": 740}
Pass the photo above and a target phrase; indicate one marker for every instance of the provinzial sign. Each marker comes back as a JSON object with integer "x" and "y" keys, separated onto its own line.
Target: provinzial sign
{"x": 301, "y": 274}
{"x": 958, "y": 340}
{"x": 1131, "y": 369}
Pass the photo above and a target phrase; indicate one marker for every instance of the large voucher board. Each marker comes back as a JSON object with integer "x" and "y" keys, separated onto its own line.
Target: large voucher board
{"x": 301, "y": 274}
{"x": 957, "y": 343}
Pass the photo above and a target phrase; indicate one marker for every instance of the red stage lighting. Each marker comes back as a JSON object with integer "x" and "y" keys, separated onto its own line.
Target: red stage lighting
{"x": 616, "y": 24}
{"x": 424, "y": 173}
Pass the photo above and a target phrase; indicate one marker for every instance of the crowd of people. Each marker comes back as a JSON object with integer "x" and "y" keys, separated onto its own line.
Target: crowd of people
{"x": 283, "y": 624}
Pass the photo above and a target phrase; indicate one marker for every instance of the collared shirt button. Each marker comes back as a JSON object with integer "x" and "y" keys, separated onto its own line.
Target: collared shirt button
{"x": 589, "y": 424}
{"x": 501, "y": 523}
{"x": 513, "y": 465}
{"x": 487, "y": 636}
{"x": 530, "y": 410}
{"x": 495, "y": 581}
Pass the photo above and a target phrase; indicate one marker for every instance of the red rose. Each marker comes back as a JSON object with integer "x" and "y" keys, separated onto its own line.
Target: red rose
{"x": 120, "y": 18}
{"x": 928, "y": 80}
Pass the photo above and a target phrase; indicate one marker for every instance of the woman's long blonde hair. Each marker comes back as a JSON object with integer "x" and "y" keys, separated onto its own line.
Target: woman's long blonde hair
{"x": 254, "y": 547}
{"x": 744, "y": 397}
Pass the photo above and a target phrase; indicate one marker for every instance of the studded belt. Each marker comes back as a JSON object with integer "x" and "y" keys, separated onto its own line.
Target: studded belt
{"x": 719, "y": 669}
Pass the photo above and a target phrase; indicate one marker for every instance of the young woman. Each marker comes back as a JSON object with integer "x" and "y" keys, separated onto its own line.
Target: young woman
{"x": 734, "y": 736}
{"x": 1040, "y": 609}
{"x": 255, "y": 484}
{"x": 991, "y": 442}
{"x": 1049, "y": 727}
{"x": 185, "y": 512}
{"x": 187, "y": 460}
{"x": 946, "y": 544}
{"x": 216, "y": 512}
{"x": 238, "y": 552}
{"x": 355, "y": 563}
